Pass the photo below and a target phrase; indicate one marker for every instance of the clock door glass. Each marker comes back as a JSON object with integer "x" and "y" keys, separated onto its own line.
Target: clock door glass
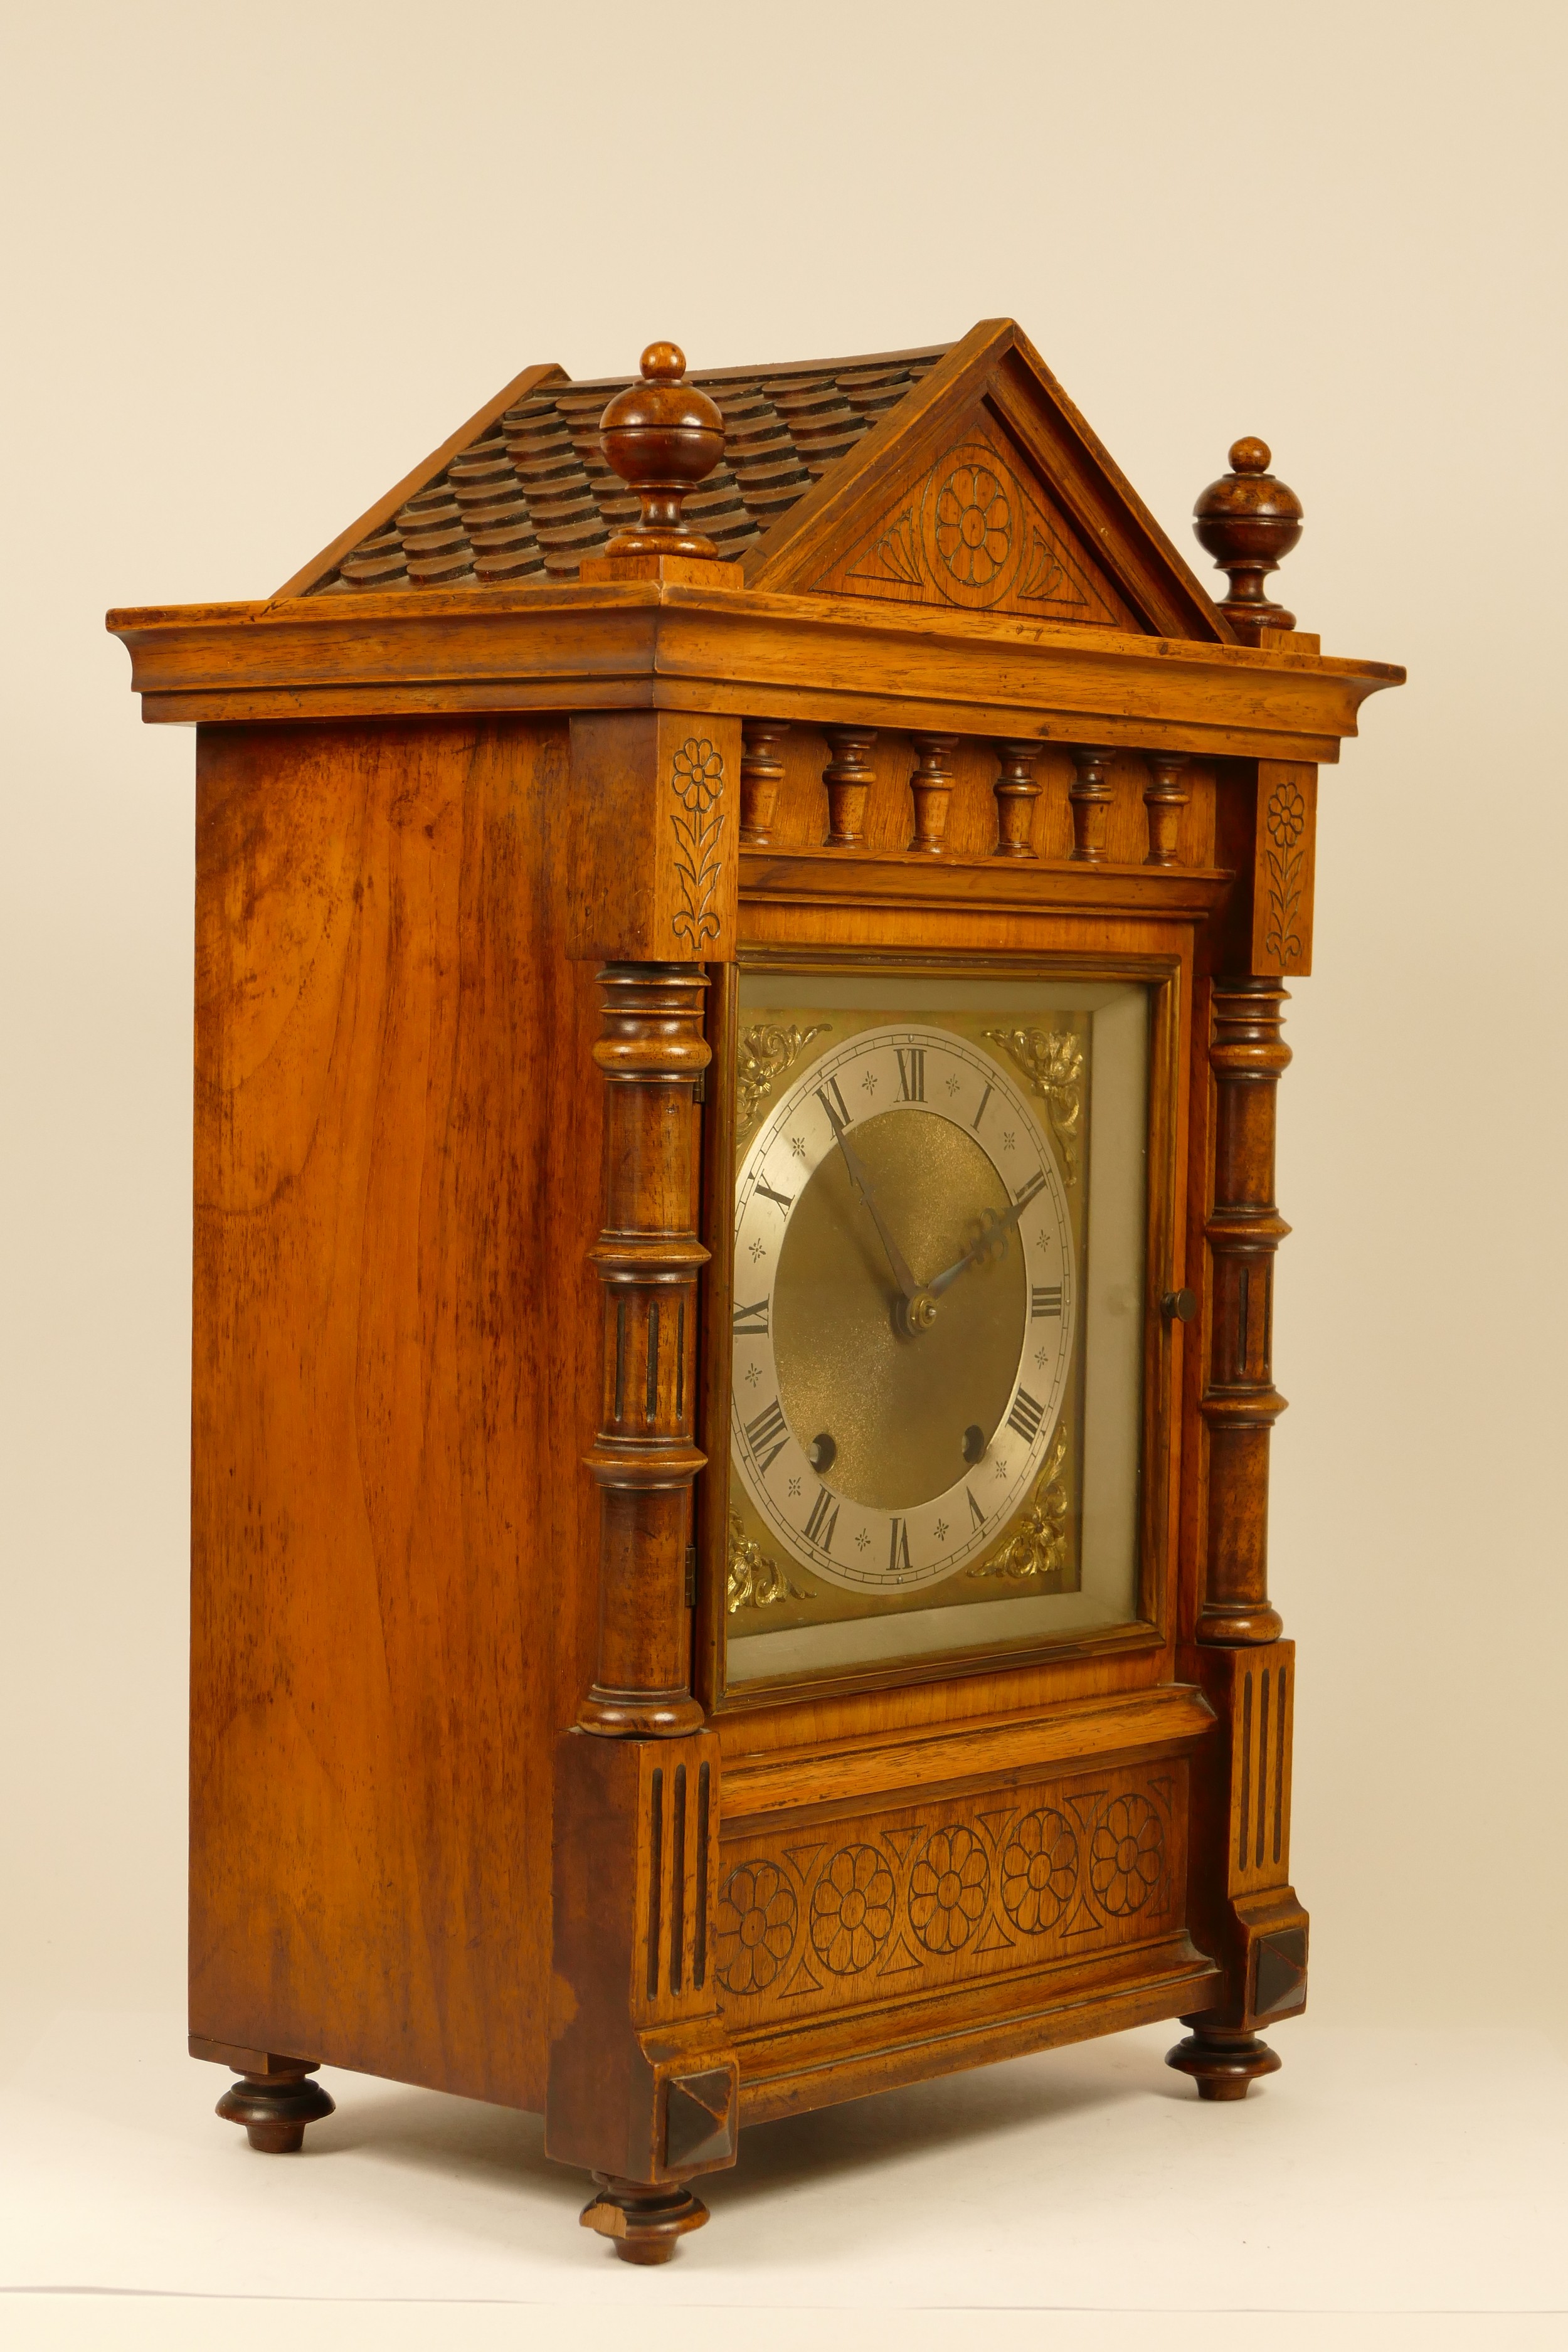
{"x": 937, "y": 1310}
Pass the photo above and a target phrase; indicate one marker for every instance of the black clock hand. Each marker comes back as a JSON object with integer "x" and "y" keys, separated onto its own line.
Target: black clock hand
{"x": 976, "y": 1250}
{"x": 862, "y": 1184}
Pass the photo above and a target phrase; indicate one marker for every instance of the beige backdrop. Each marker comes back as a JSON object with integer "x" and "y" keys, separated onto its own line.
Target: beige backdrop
{"x": 264, "y": 258}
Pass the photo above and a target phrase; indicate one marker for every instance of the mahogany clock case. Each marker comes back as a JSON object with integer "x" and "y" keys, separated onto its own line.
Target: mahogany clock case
{"x": 855, "y": 674}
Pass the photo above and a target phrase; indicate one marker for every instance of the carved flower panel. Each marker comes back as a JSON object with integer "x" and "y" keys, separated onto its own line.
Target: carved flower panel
{"x": 928, "y": 1896}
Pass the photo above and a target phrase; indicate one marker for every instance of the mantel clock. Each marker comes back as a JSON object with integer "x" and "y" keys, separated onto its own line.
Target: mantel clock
{"x": 742, "y": 929}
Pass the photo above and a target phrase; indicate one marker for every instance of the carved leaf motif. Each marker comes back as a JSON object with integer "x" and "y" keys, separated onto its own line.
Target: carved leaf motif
{"x": 698, "y": 784}
{"x": 898, "y": 551}
{"x": 1285, "y": 822}
{"x": 1046, "y": 579}
{"x": 1052, "y": 1061}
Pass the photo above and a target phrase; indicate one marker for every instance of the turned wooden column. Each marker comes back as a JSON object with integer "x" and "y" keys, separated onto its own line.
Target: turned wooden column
{"x": 1165, "y": 795}
{"x": 761, "y": 773}
{"x": 1017, "y": 788}
{"x": 1090, "y": 797}
{"x": 848, "y": 776}
{"x": 651, "y": 1053}
{"x": 1240, "y": 1402}
{"x": 930, "y": 788}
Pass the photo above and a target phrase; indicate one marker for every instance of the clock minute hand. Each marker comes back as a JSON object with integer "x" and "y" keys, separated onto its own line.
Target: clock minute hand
{"x": 976, "y": 1250}
{"x": 862, "y": 1183}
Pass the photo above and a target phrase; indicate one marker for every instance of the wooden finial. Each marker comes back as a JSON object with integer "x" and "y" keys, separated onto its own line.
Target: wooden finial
{"x": 1249, "y": 522}
{"x": 662, "y": 436}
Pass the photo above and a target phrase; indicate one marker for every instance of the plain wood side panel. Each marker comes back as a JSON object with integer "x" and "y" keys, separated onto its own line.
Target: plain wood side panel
{"x": 396, "y": 1178}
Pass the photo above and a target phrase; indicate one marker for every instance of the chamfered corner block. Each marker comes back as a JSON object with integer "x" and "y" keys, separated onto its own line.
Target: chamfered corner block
{"x": 743, "y": 919}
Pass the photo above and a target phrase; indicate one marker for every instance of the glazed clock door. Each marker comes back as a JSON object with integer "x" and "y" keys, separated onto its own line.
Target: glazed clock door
{"x": 940, "y": 1208}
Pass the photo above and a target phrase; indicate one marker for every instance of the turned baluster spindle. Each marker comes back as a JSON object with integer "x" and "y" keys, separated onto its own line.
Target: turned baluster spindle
{"x": 761, "y": 773}
{"x": 932, "y": 789}
{"x": 1090, "y": 797}
{"x": 650, "y": 1053}
{"x": 848, "y": 776}
{"x": 1248, "y": 521}
{"x": 1240, "y": 1403}
{"x": 1165, "y": 795}
{"x": 1018, "y": 789}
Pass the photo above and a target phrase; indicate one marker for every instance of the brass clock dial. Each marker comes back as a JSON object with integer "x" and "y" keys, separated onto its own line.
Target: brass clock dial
{"x": 905, "y": 1287}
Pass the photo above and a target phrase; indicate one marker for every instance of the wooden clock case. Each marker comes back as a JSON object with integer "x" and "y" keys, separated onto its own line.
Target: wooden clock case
{"x": 487, "y": 815}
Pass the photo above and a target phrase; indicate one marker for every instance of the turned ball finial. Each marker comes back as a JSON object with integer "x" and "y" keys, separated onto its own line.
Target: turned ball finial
{"x": 1249, "y": 522}
{"x": 662, "y": 436}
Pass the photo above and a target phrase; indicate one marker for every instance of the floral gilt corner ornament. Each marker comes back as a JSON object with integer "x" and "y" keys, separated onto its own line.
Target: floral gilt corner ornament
{"x": 698, "y": 784}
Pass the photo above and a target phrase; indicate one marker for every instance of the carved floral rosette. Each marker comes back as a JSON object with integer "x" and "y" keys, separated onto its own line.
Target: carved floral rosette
{"x": 955, "y": 1888}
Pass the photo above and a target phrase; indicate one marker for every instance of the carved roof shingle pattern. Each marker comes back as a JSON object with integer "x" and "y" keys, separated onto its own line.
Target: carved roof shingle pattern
{"x": 534, "y": 495}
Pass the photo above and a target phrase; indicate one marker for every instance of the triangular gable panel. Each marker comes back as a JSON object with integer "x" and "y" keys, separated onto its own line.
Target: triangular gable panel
{"x": 987, "y": 492}
{"x": 969, "y": 529}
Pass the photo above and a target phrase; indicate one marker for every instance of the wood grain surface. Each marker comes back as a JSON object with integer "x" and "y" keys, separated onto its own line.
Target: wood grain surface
{"x": 644, "y": 645}
{"x": 395, "y": 1377}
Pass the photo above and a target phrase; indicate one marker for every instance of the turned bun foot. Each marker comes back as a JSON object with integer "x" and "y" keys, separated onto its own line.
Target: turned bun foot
{"x": 1222, "y": 2061}
{"x": 275, "y": 2109}
{"x": 642, "y": 2223}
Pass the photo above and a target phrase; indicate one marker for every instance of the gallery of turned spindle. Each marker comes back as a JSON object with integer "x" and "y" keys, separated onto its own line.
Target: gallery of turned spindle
{"x": 651, "y": 1053}
{"x": 1018, "y": 789}
{"x": 1165, "y": 795}
{"x": 848, "y": 776}
{"x": 761, "y": 773}
{"x": 930, "y": 787}
{"x": 1088, "y": 796}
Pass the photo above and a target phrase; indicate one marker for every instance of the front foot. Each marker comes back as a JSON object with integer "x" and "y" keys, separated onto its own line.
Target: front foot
{"x": 1222, "y": 2060}
{"x": 642, "y": 2223}
{"x": 275, "y": 2109}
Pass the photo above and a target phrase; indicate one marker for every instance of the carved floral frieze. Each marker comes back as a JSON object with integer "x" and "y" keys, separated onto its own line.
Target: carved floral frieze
{"x": 950, "y": 1890}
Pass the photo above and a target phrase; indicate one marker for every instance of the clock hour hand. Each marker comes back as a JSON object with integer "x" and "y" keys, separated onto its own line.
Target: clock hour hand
{"x": 977, "y": 1249}
{"x": 862, "y": 1184}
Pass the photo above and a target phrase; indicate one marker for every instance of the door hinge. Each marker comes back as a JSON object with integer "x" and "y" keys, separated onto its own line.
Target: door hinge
{"x": 691, "y": 1576}
{"x": 700, "y": 1087}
